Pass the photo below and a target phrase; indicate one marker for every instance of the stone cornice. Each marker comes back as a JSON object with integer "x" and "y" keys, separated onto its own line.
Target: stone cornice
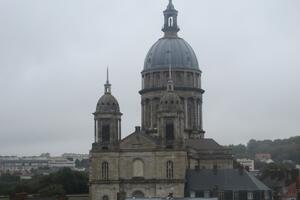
{"x": 137, "y": 181}
{"x": 176, "y": 89}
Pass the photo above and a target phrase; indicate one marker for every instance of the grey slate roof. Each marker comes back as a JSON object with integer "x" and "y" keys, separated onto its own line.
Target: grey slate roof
{"x": 203, "y": 144}
{"x": 108, "y": 103}
{"x": 224, "y": 179}
{"x": 171, "y": 50}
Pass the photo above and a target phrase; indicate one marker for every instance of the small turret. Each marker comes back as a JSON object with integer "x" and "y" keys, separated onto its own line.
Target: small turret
{"x": 171, "y": 117}
{"x": 107, "y": 118}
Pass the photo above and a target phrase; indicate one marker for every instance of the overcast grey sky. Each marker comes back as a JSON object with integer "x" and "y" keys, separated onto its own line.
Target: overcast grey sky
{"x": 54, "y": 53}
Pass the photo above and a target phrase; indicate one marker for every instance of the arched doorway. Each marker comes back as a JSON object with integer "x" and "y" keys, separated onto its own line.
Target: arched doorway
{"x": 138, "y": 194}
{"x": 105, "y": 197}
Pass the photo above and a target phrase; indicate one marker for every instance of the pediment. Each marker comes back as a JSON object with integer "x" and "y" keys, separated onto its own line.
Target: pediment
{"x": 137, "y": 141}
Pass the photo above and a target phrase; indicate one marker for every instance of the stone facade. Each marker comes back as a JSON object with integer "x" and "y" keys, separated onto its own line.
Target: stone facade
{"x": 139, "y": 165}
{"x": 152, "y": 161}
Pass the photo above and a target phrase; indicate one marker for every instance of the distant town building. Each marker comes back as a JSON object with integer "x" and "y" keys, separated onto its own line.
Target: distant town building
{"x": 25, "y": 165}
{"x": 247, "y": 163}
{"x": 292, "y": 191}
{"x": 74, "y": 156}
{"x": 262, "y": 156}
{"x": 60, "y": 162}
{"x": 21, "y": 164}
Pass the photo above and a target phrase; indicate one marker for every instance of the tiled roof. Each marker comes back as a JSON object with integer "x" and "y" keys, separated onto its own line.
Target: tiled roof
{"x": 203, "y": 144}
{"x": 223, "y": 179}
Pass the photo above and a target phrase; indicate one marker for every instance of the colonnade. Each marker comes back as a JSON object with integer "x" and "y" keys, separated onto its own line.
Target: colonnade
{"x": 192, "y": 112}
{"x": 114, "y": 129}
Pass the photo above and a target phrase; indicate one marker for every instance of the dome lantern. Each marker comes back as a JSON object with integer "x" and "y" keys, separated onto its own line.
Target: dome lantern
{"x": 170, "y": 26}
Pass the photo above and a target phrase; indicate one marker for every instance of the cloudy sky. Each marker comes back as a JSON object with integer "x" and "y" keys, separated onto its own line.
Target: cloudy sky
{"x": 54, "y": 53}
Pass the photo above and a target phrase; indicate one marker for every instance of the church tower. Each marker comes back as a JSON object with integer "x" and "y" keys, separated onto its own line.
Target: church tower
{"x": 107, "y": 119}
{"x": 186, "y": 77}
{"x": 153, "y": 160}
{"x": 170, "y": 118}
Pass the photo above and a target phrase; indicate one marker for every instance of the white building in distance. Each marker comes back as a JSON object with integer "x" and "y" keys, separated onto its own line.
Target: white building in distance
{"x": 246, "y": 163}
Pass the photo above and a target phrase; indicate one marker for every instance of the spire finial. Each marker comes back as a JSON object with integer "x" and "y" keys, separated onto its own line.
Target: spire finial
{"x": 107, "y": 85}
{"x": 107, "y": 75}
{"x": 170, "y": 6}
{"x": 170, "y": 72}
{"x": 170, "y": 85}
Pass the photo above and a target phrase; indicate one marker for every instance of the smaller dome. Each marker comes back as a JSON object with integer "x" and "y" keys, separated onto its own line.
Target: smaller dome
{"x": 170, "y": 102}
{"x": 108, "y": 104}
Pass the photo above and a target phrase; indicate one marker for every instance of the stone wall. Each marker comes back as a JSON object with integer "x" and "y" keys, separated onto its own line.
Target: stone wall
{"x": 154, "y": 182}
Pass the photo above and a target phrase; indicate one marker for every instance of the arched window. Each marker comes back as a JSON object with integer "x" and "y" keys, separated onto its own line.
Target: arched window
{"x": 138, "y": 194}
{"x": 170, "y": 21}
{"x": 105, "y": 169}
{"x": 105, "y": 197}
{"x": 169, "y": 169}
{"x": 138, "y": 168}
{"x": 105, "y": 133}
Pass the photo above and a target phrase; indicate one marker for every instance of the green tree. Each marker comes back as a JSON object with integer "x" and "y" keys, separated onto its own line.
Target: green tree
{"x": 52, "y": 191}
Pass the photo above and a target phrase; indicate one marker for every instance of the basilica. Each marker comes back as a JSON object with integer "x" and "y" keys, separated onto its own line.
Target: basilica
{"x": 155, "y": 160}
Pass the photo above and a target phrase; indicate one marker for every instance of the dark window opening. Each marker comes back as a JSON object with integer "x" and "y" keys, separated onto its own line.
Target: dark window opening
{"x": 105, "y": 133}
{"x": 105, "y": 197}
{"x": 169, "y": 132}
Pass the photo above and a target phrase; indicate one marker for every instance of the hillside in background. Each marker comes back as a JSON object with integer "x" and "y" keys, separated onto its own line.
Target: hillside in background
{"x": 280, "y": 149}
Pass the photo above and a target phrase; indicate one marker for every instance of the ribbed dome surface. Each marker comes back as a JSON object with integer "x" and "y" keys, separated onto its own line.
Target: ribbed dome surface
{"x": 171, "y": 50}
{"x": 108, "y": 104}
{"x": 170, "y": 102}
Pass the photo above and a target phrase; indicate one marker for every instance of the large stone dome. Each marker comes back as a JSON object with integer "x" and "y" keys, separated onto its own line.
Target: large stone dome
{"x": 172, "y": 51}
